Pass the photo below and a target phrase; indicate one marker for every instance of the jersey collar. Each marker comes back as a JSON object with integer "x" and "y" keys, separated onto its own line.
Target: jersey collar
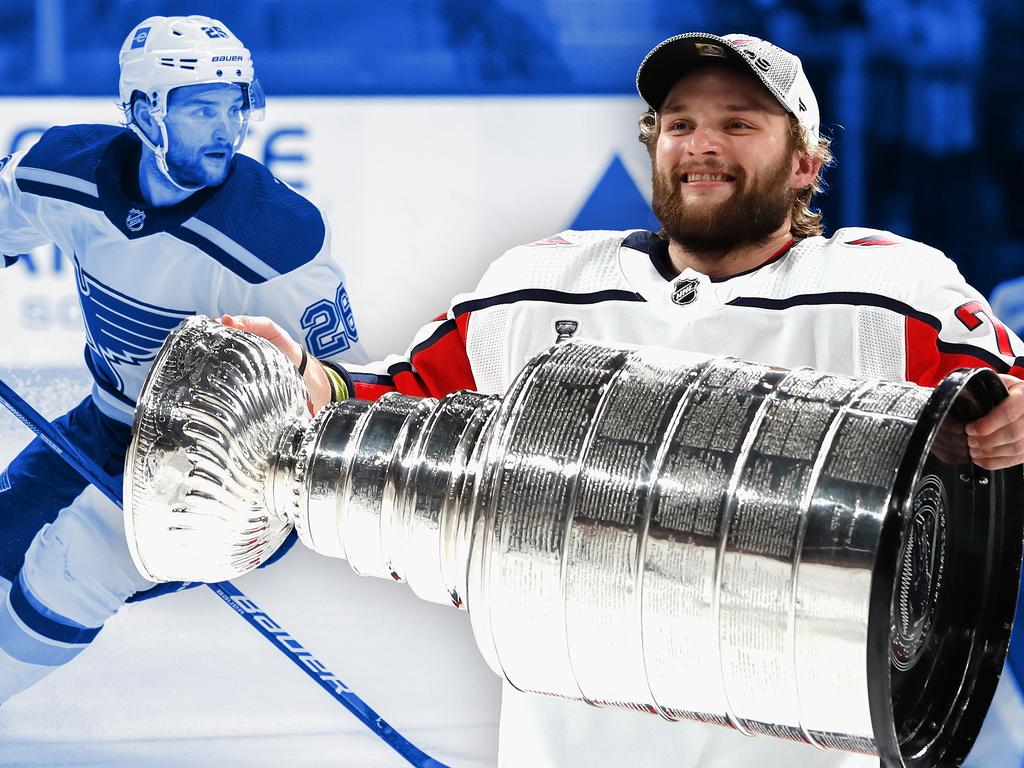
{"x": 121, "y": 199}
{"x": 657, "y": 250}
{"x": 682, "y": 295}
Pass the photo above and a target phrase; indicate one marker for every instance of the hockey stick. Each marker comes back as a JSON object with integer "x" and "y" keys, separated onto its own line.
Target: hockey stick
{"x": 225, "y": 590}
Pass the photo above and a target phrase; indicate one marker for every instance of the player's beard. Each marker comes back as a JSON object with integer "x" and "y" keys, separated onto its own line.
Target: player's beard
{"x": 187, "y": 168}
{"x": 754, "y": 211}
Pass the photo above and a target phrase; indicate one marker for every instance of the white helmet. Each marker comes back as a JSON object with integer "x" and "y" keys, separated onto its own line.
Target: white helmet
{"x": 165, "y": 52}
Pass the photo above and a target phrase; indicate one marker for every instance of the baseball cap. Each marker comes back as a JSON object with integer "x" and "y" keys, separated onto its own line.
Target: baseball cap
{"x": 779, "y": 70}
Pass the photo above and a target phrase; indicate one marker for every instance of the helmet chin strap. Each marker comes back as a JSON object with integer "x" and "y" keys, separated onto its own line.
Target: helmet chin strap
{"x": 160, "y": 152}
{"x": 161, "y": 159}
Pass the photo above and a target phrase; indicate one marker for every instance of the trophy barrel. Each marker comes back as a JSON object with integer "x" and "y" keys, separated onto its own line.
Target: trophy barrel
{"x": 784, "y": 552}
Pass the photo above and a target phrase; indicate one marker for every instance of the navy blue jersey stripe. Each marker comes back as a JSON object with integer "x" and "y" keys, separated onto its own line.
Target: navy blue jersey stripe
{"x": 884, "y": 302}
{"x": 370, "y": 378}
{"x": 838, "y": 297}
{"x": 989, "y": 358}
{"x": 440, "y": 332}
{"x": 59, "y": 193}
{"x": 545, "y": 294}
{"x": 218, "y": 254}
{"x": 44, "y": 625}
{"x": 400, "y": 367}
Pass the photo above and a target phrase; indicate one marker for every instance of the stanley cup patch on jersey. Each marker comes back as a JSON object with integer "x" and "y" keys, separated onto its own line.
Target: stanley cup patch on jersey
{"x": 565, "y": 329}
{"x": 685, "y": 291}
{"x": 121, "y": 330}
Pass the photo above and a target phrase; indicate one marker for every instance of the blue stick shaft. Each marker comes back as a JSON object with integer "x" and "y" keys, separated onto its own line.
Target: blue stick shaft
{"x": 225, "y": 590}
{"x": 59, "y": 444}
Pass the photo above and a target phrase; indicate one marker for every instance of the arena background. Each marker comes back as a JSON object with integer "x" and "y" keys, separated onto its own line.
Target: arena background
{"x": 436, "y": 134}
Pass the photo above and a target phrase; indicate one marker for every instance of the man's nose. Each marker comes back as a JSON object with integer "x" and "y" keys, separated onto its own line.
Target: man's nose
{"x": 224, "y": 129}
{"x": 704, "y": 141}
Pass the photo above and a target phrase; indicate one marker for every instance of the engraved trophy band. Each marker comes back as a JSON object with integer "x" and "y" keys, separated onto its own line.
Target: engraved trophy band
{"x": 797, "y": 553}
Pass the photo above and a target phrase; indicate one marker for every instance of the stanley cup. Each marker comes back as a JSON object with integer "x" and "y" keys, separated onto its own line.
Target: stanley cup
{"x": 792, "y": 553}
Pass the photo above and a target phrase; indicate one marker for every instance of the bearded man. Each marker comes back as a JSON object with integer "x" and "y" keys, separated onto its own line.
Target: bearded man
{"x": 740, "y": 268}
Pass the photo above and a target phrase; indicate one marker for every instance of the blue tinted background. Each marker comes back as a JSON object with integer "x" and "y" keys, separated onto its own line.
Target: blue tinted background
{"x": 924, "y": 98}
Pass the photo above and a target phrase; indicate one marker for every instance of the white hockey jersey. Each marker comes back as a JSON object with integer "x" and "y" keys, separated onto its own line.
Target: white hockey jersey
{"x": 863, "y": 302}
{"x": 251, "y": 245}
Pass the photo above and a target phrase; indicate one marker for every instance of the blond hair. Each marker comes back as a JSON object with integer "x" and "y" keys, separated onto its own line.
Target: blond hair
{"x": 804, "y": 221}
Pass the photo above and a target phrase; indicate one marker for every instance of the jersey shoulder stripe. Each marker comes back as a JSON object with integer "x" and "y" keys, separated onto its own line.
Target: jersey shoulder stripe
{"x": 57, "y": 186}
{"x": 193, "y": 233}
{"x": 443, "y": 328}
{"x": 62, "y": 163}
{"x": 851, "y": 298}
{"x": 71, "y": 151}
{"x": 261, "y": 222}
{"x": 545, "y": 295}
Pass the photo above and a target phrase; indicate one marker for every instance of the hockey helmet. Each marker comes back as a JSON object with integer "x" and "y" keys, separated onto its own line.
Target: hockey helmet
{"x": 165, "y": 52}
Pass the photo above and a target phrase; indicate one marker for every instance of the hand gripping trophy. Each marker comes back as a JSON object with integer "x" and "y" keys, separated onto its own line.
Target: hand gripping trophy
{"x": 792, "y": 553}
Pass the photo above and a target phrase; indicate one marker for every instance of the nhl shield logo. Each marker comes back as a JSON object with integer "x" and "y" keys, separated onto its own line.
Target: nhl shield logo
{"x": 685, "y": 291}
{"x": 565, "y": 329}
{"x": 136, "y": 219}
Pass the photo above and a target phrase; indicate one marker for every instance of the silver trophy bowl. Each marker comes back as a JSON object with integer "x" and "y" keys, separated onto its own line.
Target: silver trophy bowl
{"x": 792, "y": 553}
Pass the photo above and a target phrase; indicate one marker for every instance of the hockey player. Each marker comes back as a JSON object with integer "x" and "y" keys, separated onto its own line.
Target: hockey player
{"x": 162, "y": 220}
{"x": 740, "y": 268}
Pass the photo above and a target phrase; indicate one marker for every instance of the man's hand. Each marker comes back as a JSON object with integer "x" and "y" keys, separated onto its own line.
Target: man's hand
{"x": 996, "y": 440}
{"x": 316, "y": 380}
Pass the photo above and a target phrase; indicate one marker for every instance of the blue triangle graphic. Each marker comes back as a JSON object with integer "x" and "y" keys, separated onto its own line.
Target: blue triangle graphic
{"x": 615, "y": 203}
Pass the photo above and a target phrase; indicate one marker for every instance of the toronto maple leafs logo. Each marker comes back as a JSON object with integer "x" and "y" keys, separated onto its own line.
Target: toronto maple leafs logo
{"x": 121, "y": 330}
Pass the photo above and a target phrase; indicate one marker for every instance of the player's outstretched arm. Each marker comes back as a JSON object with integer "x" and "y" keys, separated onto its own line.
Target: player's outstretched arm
{"x": 316, "y": 379}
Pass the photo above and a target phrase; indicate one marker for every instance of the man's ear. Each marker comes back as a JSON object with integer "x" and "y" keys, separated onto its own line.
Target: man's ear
{"x": 805, "y": 169}
{"x": 142, "y": 114}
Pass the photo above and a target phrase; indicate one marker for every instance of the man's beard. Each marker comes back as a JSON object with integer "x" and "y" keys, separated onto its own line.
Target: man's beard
{"x": 750, "y": 215}
{"x": 188, "y": 170}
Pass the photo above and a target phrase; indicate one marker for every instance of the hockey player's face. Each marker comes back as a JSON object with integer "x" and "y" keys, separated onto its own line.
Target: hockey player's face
{"x": 204, "y": 125}
{"x": 724, "y": 163}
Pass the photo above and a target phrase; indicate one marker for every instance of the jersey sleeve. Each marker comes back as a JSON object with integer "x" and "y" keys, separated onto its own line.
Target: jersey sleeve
{"x": 311, "y": 303}
{"x": 20, "y": 228}
{"x": 435, "y": 364}
{"x": 951, "y": 326}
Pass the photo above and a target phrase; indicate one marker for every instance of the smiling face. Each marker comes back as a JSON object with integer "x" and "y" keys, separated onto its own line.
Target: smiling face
{"x": 205, "y": 125}
{"x": 726, "y": 169}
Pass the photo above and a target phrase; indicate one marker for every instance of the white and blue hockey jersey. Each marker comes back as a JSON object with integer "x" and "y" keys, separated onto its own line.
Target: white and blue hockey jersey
{"x": 251, "y": 245}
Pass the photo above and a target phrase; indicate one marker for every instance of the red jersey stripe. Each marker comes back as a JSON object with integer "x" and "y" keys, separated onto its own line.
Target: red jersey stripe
{"x": 927, "y": 365}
